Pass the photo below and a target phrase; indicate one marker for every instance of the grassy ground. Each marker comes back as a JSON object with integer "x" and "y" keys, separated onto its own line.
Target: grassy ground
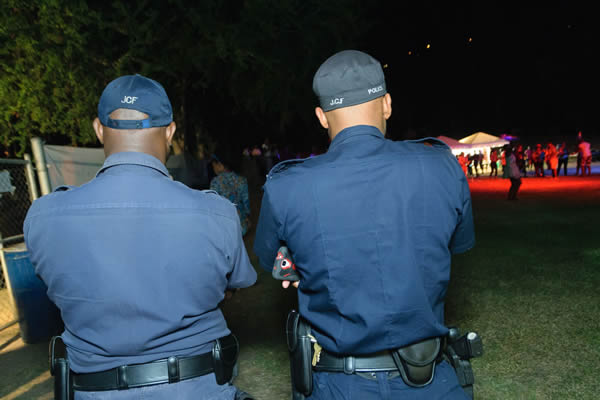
{"x": 529, "y": 287}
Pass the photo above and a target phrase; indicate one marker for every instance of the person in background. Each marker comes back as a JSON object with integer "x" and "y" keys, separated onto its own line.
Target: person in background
{"x": 494, "y": 162}
{"x": 585, "y": 154}
{"x": 464, "y": 162}
{"x": 538, "y": 160}
{"x": 512, "y": 172}
{"x": 563, "y": 158}
{"x": 230, "y": 184}
{"x": 552, "y": 158}
{"x": 519, "y": 154}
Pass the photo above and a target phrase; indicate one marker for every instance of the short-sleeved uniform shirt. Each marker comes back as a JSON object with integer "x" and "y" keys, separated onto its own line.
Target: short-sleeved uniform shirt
{"x": 137, "y": 263}
{"x": 371, "y": 226}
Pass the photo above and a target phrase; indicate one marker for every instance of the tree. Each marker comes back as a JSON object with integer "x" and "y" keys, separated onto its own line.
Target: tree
{"x": 238, "y": 70}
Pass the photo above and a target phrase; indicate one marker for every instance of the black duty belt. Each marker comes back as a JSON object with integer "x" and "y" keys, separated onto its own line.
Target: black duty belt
{"x": 169, "y": 370}
{"x": 376, "y": 362}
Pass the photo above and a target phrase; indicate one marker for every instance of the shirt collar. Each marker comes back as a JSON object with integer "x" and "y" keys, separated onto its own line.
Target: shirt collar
{"x": 349, "y": 133}
{"x": 135, "y": 158}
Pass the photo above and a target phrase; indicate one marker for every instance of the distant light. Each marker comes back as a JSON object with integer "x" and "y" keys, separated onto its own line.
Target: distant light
{"x": 385, "y": 66}
{"x": 428, "y": 45}
{"x": 410, "y": 53}
{"x": 470, "y": 40}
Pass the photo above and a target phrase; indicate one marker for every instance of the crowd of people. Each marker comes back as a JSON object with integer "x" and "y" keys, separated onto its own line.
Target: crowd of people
{"x": 536, "y": 161}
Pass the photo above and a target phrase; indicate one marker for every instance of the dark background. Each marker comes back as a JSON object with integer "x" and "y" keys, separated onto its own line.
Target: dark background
{"x": 240, "y": 71}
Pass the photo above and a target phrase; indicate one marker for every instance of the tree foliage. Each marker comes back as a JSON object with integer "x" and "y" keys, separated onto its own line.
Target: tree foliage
{"x": 238, "y": 69}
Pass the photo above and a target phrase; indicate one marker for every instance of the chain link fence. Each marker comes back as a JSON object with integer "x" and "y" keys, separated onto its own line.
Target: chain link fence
{"x": 16, "y": 195}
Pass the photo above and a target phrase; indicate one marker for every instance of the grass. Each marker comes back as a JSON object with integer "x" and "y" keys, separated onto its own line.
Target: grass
{"x": 529, "y": 287}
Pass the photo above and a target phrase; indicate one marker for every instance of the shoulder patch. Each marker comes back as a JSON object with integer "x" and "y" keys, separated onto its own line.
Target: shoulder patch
{"x": 430, "y": 141}
{"x": 63, "y": 188}
{"x": 284, "y": 165}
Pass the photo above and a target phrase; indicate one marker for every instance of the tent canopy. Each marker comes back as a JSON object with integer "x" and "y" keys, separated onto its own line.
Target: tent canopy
{"x": 484, "y": 139}
{"x": 453, "y": 143}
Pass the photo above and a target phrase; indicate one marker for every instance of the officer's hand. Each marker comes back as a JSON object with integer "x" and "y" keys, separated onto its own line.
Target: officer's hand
{"x": 286, "y": 284}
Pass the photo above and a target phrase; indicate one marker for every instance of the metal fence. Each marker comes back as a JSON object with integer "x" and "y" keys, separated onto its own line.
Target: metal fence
{"x": 17, "y": 191}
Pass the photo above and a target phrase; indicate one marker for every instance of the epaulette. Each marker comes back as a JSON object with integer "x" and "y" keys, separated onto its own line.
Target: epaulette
{"x": 430, "y": 141}
{"x": 283, "y": 165}
{"x": 63, "y": 188}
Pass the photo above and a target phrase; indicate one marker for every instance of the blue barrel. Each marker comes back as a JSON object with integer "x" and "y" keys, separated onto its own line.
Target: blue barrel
{"x": 39, "y": 319}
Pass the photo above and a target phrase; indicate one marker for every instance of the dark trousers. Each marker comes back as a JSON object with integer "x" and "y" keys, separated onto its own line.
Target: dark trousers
{"x": 494, "y": 166}
{"x": 515, "y": 183}
{"x": 539, "y": 168}
{"x": 340, "y": 386}
{"x": 562, "y": 162}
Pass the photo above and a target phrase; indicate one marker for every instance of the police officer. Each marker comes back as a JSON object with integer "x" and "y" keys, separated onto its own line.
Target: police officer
{"x": 371, "y": 226}
{"x": 137, "y": 263}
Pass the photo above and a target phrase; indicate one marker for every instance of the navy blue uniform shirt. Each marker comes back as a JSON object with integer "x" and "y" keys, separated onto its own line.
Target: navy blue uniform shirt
{"x": 137, "y": 263}
{"x": 371, "y": 225}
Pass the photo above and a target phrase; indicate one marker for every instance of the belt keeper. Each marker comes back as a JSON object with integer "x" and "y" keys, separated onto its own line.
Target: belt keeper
{"x": 173, "y": 369}
{"x": 122, "y": 383}
{"x": 349, "y": 366}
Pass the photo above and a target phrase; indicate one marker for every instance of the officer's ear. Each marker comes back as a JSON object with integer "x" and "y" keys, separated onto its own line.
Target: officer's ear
{"x": 169, "y": 132}
{"x": 322, "y": 117}
{"x": 98, "y": 128}
{"x": 387, "y": 106}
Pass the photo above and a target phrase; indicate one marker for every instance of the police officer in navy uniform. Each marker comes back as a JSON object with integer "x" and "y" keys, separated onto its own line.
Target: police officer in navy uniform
{"x": 371, "y": 226}
{"x": 138, "y": 263}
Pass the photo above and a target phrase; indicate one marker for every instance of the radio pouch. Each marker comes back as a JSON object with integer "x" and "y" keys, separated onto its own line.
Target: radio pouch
{"x": 59, "y": 369}
{"x": 417, "y": 361}
{"x": 224, "y": 354}
{"x": 300, "y": 349}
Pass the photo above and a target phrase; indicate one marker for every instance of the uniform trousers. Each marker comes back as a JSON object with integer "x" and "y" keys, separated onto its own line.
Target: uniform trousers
{"x": 340, "y": 386}
{"x": 201, "y": 388}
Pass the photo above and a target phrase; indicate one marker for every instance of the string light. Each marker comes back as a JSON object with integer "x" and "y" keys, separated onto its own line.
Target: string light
{"x": 428, "y": 46}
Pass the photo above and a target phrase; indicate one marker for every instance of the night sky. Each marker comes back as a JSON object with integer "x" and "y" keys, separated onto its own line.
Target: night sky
{"x": 492, "y": 66}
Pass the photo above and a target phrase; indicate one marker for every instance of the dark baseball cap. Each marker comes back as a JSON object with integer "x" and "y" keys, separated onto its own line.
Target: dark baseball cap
{"x": 135, "y": 92}
{"x": 348, "y": 78}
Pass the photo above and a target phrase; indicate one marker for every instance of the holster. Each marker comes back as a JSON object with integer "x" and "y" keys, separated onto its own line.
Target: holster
{"x": 458, "y": 351}
{"x": 300, "y": 348}
{"x": 416, "y": 362}
{"x": 224, "y": 353}
{"x": 59, "y": 369}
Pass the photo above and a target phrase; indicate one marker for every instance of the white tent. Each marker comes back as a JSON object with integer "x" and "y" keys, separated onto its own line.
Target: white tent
{"x": 456, "y": 146}
{"x": 482, "y": 139}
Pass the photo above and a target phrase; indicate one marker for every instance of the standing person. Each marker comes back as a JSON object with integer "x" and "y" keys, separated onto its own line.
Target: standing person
{"x": 552, "y": 157}
{"x": 529, "y": 155}
{"x": 138, "y": 263}
{"x": 585, "y": 154}
{"x": 520, "y": 159}
{"x": 563, "y": 158}
{"x": 476, "y": 163}
{"x": 538, "y": 160}
{"x": 229, "y": 184}
{"x": 346, "y": 214}
{"x": 512, "y": 172}
{"x": 463, "y": 161}
{"x": 494, "y": 162}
